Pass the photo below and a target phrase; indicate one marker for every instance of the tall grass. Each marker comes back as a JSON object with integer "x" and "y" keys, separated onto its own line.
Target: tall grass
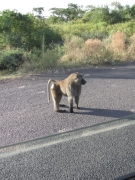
{"x": 72, "y": 51}
{"x": 93, "y": 50}
{"x": 118, "y": 42}
{"x": 131, "y": 48}
{"x": 39, "y": 60}
{"x": 96, "y": 52}
{"x": 90, "y": 30}
{"x": 76, "y": 52}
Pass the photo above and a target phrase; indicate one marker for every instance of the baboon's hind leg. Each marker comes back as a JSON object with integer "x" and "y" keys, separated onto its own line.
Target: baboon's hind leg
{"x": 56, "y": 100}
{"x": 77, "y": 102}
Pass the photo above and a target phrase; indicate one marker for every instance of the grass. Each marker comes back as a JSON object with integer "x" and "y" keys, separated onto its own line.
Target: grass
{"x": 96, "y": 52}
{"x": 75, "y": 52}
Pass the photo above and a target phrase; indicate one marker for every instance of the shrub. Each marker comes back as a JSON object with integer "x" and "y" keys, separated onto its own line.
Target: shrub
{"x": 93, "y": 50}
{"x": 118, "y": 42}
{"x": 131, "y": 48}
{"x": 11, "y": 60}
{"x": 38, "y": 60}
{"x": 73, "y": 51}
{"x": 92, "y": 47}
{"x": 73, "y": 43}
{"x": 94, "y": 35}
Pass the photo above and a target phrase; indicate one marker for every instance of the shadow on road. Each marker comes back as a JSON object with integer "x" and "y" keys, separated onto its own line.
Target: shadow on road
{"x": 104, "y": 112}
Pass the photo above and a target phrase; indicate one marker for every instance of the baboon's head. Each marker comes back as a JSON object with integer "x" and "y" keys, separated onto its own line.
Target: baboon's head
{"x": 83, "y": 81}
{"x": 79, "y": 79}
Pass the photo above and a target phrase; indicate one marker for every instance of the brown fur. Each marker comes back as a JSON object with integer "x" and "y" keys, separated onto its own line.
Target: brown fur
{"x": 70, "y": 87}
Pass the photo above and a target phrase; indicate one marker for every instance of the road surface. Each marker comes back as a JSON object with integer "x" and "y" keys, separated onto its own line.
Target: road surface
{"x": 25, "y": 113}
{"x": 100, "y": 152}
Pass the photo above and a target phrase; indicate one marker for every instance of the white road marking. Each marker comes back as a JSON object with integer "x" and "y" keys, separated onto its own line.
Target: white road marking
{"x": 86, "y": 74}
{"x": 21, "y": 87}
{"x": 59, "y": 138}
{"x": 40, "y": 92}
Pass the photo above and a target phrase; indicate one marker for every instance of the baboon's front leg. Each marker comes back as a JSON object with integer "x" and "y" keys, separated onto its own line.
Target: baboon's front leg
{"x": 70, "y": 101}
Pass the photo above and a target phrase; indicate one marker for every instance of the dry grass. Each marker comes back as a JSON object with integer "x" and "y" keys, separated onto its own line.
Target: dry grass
{"x": 131, "y": 48}
{"x": 78, "y": 53}
{"x": 118, "y": 42}
{"x": 73, "y": 51}
{"x": 93, "y": 50}
{"x": 96, "y": 52}
{"x": 122, "y": 49}
{"x": 116, "y": 45}
{"x": 92, "y": 47}
{"x": 73, "y": 43}
{"x": 132, "y": 38}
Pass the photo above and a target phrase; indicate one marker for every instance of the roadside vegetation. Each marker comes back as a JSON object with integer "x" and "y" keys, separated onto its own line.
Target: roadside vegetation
{"x": 70, "y": 37}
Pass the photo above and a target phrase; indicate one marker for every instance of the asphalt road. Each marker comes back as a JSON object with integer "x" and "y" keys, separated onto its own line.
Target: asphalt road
{"x": 25, "y": 113}
{"x": 101, "y": 152}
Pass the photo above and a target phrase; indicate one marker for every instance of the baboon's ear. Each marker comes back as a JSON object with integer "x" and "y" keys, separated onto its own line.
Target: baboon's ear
{"x": 76, "y": 73}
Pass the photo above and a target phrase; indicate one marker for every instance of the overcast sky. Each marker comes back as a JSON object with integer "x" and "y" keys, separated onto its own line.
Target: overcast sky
{"x": 26, "y": 6}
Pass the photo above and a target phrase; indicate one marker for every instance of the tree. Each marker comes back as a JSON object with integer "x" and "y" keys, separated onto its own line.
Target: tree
{"x": 53, "y": 19}
{"x": 117, "y": 14}
{"x": 73, "y": 12}
{"x": 95, "y": 15}
{"x": 38, "y": 12}
{"x": 132, "y": 11}
{"x": 117, "y": 5}
{"x": 17, "y": 27}
{"x": 26, "y": 31}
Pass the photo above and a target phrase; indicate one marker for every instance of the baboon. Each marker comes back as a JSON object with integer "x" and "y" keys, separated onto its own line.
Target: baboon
{"x": 70, "y": 87}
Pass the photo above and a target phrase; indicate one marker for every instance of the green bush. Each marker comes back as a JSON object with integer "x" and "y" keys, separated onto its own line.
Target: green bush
{"x": 40, "y": 60}
{"x": 11, "y": 60}
{"x": 93, "y": 30}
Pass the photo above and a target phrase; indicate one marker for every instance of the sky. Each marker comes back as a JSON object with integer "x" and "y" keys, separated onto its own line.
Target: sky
{"x": 26, "y": 6}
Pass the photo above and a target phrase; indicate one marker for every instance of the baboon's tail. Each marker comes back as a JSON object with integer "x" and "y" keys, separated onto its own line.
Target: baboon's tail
{"x": 48, "y": 88}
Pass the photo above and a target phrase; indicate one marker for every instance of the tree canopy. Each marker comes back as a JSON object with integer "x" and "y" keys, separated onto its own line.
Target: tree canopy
{"x": 27, "y": 30}
{"x": 114, "y": 14}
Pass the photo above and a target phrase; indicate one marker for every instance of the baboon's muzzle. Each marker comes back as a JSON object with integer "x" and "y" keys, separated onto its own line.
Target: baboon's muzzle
{"x": 83, "y": 82}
